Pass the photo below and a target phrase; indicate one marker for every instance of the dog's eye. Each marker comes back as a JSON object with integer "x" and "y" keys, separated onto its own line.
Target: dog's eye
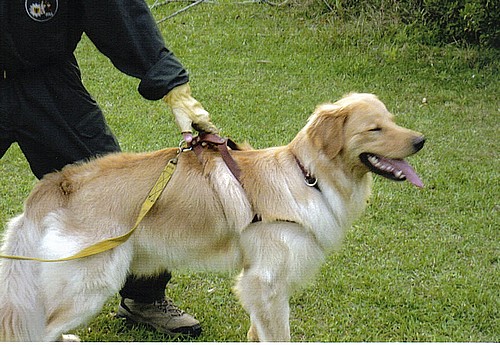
{"x": 376, "y": 129}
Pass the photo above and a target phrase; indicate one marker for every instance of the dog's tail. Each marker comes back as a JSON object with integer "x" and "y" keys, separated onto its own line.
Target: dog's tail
{"x": 21, "y": 314}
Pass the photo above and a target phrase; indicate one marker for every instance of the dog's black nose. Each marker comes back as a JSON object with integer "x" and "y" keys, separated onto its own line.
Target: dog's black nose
{"x": 418, "y": 143}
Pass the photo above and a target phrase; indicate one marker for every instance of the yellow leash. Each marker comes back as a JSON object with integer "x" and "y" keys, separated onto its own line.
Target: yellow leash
{"x": 113, "y": 242}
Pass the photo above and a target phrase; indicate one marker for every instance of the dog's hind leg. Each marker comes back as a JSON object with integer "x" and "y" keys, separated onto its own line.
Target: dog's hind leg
{"x": 278, "y": 258}
{"x": 21, "y": 309}
{"x": 72, "y": 312}
{"x": 76, "y": 291}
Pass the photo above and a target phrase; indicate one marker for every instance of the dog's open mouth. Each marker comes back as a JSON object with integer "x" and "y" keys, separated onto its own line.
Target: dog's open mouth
{"x": 393, "y": 169}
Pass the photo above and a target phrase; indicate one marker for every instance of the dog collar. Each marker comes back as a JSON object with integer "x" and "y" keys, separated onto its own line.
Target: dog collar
{"x": 309, "y": 179}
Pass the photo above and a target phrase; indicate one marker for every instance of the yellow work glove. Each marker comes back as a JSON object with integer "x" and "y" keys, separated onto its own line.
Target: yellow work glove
{"x": 188, "y": 112}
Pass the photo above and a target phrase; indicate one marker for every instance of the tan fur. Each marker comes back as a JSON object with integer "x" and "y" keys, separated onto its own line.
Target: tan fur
{"x": 203, "y": 220}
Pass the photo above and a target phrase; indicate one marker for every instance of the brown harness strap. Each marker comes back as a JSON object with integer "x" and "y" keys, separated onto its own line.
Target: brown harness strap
{"x": 213, "y": 140}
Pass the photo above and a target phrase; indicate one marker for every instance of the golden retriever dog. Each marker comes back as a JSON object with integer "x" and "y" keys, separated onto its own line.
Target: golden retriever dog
{"x": 275, "y": 224}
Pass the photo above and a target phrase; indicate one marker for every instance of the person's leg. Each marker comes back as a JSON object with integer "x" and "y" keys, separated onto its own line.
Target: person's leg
{"x": 6, "y": 125}
{"x": 136, "y": 288}
{"x": 5, "y": 142}
{"x": 46, "y": 156}
{"x": 59, "y": 123}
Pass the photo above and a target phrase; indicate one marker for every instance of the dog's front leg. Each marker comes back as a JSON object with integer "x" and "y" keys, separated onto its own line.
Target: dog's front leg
{"x": 266, "y": 301}
{"x": 273, "y": 263}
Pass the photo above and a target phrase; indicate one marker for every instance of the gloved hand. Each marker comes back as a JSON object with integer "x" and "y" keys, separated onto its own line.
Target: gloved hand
{"x": 188, "y": 112}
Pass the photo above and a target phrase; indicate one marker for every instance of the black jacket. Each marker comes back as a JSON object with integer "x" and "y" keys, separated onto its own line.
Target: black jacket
{"x": 34, "y": 33}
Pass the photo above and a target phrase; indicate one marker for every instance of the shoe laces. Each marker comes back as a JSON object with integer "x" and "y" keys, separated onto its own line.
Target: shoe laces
{"x": 168, "y": 307}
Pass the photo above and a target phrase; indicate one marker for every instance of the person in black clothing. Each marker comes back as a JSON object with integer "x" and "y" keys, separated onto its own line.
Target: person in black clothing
{"x": 45, "y": 108}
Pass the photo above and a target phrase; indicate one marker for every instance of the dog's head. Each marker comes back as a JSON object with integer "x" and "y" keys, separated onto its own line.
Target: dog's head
{"x": 361, "y": 130}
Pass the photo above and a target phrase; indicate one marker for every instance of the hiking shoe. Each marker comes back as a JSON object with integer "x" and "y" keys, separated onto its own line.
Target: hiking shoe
{"x": 163, "y": 315}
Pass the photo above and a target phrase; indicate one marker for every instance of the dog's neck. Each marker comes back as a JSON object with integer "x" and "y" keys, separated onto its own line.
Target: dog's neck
{"x": 351, "y": 186}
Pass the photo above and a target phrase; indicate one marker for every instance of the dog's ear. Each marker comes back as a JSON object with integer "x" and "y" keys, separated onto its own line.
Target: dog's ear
{"x": 326, "y": 129}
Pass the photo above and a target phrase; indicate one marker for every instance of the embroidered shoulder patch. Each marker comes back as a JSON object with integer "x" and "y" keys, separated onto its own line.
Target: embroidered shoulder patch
{"x": 41, "y": 10}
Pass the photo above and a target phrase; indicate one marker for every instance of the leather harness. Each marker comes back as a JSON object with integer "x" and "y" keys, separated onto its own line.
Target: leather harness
{"x": 220, "y": 144}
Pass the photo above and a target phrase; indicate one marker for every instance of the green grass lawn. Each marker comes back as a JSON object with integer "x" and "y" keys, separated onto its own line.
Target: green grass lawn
{"x": 421, "y": 265}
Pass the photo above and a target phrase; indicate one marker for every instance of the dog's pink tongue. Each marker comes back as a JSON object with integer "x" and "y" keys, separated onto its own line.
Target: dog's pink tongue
{"x": 406, "y": 168}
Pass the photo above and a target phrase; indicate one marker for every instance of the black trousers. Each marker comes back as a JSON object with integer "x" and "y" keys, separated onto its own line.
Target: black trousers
{"x": 55, "y": 121}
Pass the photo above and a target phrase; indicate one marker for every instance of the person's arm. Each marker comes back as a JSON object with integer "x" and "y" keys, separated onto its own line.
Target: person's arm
{"x": 125, "y": 31}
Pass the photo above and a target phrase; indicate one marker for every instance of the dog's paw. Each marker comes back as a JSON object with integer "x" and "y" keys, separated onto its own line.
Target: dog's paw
{"x": 252, "y": 335}
{"x": 69, "y": 338}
